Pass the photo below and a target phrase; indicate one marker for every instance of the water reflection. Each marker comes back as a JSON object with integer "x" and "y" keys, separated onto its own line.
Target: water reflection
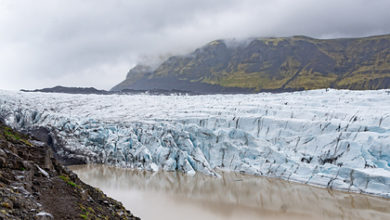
{"x": 171, "y": 195}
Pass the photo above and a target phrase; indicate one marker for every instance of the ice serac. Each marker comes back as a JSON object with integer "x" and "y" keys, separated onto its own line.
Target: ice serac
{"x": 332, "y": 138}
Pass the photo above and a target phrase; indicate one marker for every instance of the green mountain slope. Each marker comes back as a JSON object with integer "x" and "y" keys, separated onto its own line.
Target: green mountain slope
{"x": 266, "y": 64}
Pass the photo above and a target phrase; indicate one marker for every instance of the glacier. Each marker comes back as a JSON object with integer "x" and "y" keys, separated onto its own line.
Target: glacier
{"x": 338, "y": 139}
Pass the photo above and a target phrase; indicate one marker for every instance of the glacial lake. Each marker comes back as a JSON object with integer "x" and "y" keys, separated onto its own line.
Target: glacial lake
{"x": 174, "y": 195}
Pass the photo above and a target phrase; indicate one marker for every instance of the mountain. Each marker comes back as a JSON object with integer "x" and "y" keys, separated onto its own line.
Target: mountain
{"x": 271, "y": 64}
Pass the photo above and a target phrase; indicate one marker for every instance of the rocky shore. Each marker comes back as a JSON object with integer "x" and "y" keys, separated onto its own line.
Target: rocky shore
{"x": 34, "y": 185}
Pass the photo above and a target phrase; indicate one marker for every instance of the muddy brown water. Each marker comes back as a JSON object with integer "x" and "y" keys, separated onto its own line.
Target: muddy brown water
{"x": 172, "y": 195}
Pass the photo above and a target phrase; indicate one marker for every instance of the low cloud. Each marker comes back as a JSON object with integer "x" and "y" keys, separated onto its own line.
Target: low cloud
{"x": 94, "y": 43}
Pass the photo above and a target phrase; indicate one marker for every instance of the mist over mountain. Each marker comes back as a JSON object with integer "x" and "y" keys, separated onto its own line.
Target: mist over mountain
{"x": 271, "y": 64}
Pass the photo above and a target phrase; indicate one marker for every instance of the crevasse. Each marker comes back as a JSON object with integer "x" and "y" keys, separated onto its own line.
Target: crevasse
{"x": 332, "y": 138}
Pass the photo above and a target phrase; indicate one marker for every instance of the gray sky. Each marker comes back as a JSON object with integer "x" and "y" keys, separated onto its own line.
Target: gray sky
{"x": 44, "y": 43}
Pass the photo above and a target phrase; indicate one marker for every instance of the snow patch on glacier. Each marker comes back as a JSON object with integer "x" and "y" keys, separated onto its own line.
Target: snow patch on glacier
{"x": 332, "y": 138}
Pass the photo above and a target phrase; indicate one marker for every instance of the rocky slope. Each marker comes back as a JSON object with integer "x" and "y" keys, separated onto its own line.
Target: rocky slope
{"x": 33, "y": 185}
{"x": 271, "y": 64}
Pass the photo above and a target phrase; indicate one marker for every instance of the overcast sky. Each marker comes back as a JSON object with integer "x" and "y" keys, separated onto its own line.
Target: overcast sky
{"x": 44, "y": 43}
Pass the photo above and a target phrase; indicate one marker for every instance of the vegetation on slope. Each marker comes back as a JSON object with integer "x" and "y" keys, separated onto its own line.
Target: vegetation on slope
{"x": 290, "y": 63}
{"x": 33, "y": 185}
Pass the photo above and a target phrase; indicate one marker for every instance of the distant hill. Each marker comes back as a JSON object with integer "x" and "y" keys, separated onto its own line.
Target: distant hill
{"x": 70, "y": 90}
{"x": 92, "y": 90}
{"x": 271, "y": 64}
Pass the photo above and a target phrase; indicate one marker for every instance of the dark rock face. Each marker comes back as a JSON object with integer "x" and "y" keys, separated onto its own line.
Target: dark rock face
{"x": 66, "y": 157}
{"x": 33, "y": 185}
{"x": 272, "y": 64}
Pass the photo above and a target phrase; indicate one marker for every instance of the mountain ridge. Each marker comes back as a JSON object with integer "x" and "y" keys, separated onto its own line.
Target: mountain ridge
{"x": 272, "y": 64}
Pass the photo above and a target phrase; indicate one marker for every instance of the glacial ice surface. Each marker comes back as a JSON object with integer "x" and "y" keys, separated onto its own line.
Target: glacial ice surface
{"x": 332, "y": 138}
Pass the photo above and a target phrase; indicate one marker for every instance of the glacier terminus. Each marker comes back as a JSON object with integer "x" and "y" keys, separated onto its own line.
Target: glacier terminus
{"x": 338, "y": 139}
